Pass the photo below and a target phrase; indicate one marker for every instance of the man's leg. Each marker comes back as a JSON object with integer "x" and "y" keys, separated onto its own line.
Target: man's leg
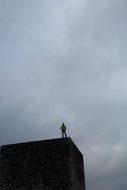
{"x": 65, "y": 133}
{"x": 62, "y": 134}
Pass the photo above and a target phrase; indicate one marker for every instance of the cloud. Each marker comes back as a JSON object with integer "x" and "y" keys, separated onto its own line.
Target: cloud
{"x": 66, "y": 62}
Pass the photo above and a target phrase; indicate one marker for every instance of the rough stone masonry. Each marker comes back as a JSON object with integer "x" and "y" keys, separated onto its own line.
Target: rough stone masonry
{"x": 55, "y": 164}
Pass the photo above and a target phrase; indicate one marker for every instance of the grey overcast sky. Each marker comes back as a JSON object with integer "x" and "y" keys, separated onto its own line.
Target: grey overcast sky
{"x": 66, "y": 61}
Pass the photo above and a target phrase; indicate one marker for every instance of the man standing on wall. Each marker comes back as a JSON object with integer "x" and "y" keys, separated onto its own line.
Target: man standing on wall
{"x": 63, "y": 129}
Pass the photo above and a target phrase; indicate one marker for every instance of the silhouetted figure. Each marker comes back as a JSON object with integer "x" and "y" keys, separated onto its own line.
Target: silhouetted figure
{"x": 63, "y": 129}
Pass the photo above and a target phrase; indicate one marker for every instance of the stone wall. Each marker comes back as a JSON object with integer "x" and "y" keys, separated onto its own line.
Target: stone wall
{"x": 53, "y": 164}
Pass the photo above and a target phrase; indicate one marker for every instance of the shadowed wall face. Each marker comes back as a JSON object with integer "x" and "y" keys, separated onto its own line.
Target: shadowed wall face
{"x": 42, "y": 165}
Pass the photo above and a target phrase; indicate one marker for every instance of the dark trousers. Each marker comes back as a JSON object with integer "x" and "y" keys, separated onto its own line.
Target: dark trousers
{"x": 64, "y": 134}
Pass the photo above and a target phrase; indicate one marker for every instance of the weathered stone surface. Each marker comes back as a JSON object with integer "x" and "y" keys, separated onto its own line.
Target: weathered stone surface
{"x": 55, "y": 164}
